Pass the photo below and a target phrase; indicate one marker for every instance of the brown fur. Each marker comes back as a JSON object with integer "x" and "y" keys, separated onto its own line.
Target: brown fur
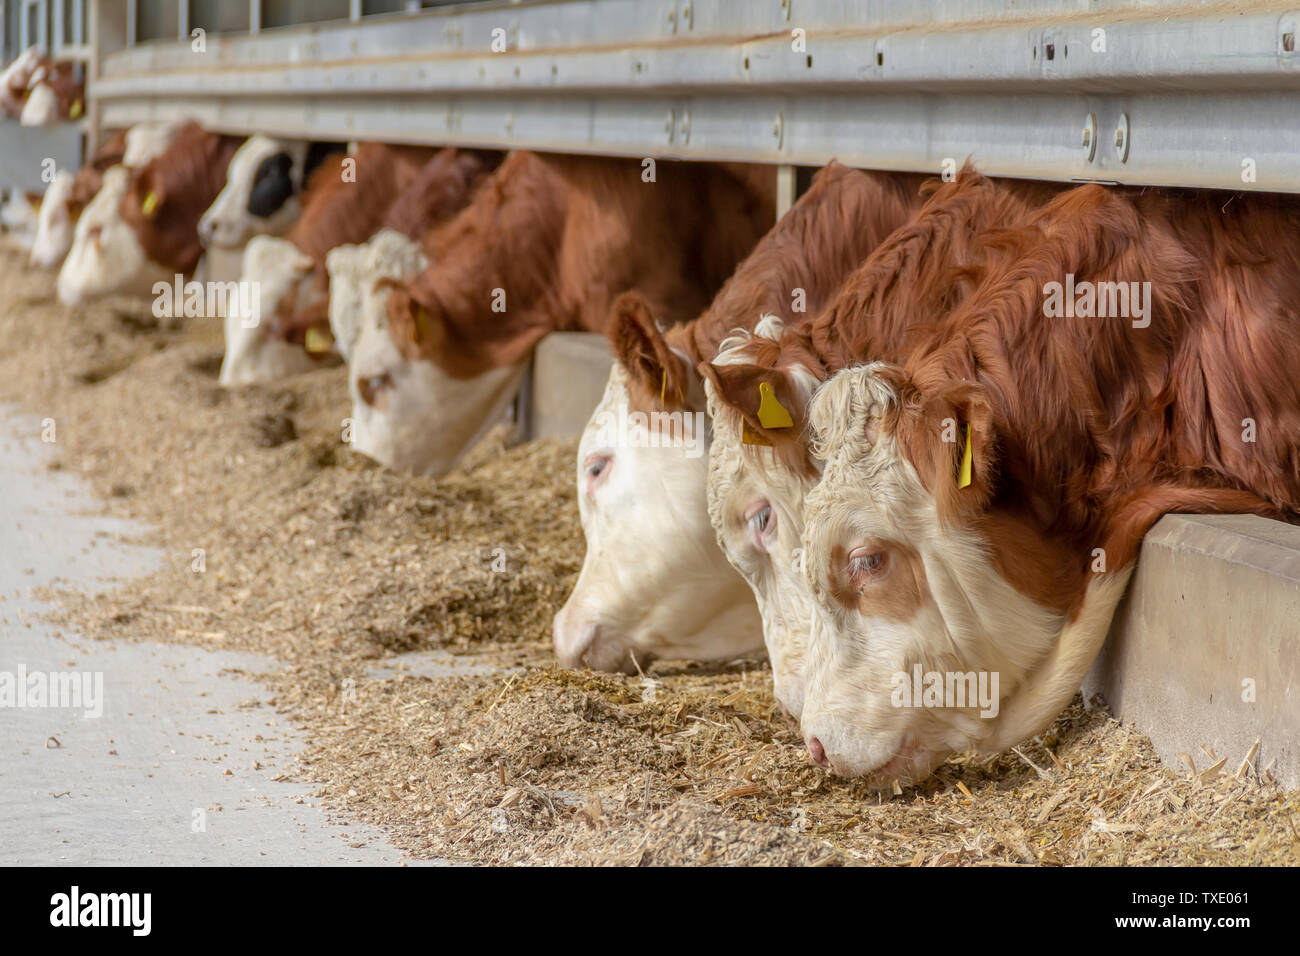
{"x": 407, "y": 188}
{"x": 91, "y": 176}
{"x": 844, "y": 215}
{"x": 1093, "y": 429}
{"x": 185, "y": 179}
{"x": 440, "y": 190}
{"x": 564, "y": 236}
{"x": 883, "y": 308}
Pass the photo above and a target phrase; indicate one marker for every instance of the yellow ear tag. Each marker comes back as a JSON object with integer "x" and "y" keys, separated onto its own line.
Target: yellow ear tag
{"x": 663, "y": 387}
{"x": 963, "y": 474}
{"x": 150, "y": 204}
{"x": 421, "y": 329}
{"x": 317, "y": 341}
{"x": 751, "y": 437}
{"x": 771, "y": 413}
{"x": 75, "y": 109}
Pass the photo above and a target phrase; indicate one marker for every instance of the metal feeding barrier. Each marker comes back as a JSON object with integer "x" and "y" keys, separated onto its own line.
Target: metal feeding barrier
{"x": 1192, "y": 93}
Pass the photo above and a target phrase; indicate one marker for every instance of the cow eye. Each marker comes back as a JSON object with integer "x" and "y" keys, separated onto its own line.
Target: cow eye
{"x": 761, "y": 520}
{"x": 867, "y": 562}
{"x": 596, "y": 468}
{"x": 373, "y": 386}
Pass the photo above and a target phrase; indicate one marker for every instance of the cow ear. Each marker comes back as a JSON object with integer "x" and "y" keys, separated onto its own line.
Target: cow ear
{"x": 654, "y": 372}
{"x": 417, "y": 330}
{"x": 771, "y": 408}
{"x": 950, "y": 436}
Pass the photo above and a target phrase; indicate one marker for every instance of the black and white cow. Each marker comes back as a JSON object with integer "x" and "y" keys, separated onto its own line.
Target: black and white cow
{"x": 262, "y": 189}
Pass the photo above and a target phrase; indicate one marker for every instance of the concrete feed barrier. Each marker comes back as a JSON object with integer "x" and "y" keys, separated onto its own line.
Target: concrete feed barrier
{"x": 568, "y": 379}
{"x": 1205, "y": 648}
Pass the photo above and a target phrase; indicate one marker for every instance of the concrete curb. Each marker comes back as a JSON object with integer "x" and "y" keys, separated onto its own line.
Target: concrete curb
{"x": 1205, "y": 647}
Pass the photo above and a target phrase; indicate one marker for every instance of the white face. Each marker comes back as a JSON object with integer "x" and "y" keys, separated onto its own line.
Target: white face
{"x": 17, "y": 74}
{"x": 654, "y": 583}
{"x": 42, "y": 105}
{"x": 895, "y": 589}
{"x": 413, "y": 416}
{"x": 253, "y": 354}
{"x": 227, "y": 221}
{"x": 756, "y": 506}
{"x": 54, "y": 226}
{"x": 106, "y": 258}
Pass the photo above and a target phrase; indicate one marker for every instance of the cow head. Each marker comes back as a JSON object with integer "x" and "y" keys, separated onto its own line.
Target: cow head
{"x": 260, "y": 195}
{"x": 284, "y": 278}
{"x": 106, "y": 256}
{"x": 55, "y": 93}
{"x": 942, "y": 622}
{"x": 406, "y": 412}
{"x": 653, "y": 582}
{"x": 758, "y": 477}
{"x": 55, "y": 223}
{"x": 15, "y": 78}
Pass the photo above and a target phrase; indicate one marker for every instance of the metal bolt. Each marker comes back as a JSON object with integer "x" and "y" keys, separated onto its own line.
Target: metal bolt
{"x": 1088, "y": 139}
{"x": 1122, "y": 138}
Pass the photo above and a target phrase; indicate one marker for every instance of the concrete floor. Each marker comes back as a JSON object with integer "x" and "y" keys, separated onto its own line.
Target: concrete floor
{"x": 179, "y": 769}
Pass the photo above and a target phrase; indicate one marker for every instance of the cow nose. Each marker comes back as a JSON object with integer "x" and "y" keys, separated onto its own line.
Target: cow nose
{"x": 572, "y": 645}
{"x": 207, "y": 229}
{"x": 817, "y": 752}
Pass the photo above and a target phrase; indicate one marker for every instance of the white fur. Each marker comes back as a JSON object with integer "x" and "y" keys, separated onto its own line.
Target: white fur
{"x": 19, "y": 219}
{"x": 41, "y": 107}
{"x": 653, "y": 582}
{"x": 106, "y": 257}
{"x": 253, "y": 354}
{"x": 146, "y": 141}
{"x": 973, "y": 620}
{"x": 740, "y": 478}
{"x": 54, "y": 226}
{"x": 20, "y": 70}
{"x": 227, "y": 221}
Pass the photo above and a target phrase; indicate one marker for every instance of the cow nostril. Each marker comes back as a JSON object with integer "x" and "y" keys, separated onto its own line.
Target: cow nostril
{"x": 817, "y": 752}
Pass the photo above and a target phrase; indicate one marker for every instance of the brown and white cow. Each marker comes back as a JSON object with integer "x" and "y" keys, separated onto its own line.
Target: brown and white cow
{"x": 346, "y": 200}
{"x": 938, "y": 569}
{"x": 145, "y": 224}
{"x": 66, "y": 198}
{"x": 56, "y": 93}
{"x": 548, "y": 244}
{"x": 758, "y": 476}
{"x": 15, "y": 78}
{"x": 654, "y": 582}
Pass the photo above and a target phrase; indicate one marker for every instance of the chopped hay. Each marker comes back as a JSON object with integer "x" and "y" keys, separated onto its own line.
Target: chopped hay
{"x": 329, "y": 563}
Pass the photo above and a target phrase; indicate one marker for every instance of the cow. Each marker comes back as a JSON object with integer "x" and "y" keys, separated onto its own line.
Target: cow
{"x": 263, "y": 188}
{"x": 56, "y": 93}
{"x": 20, "y": 216}
{"x": 151, "y": 234}
{"x": 65, "y": 199}
{"x": 15, "y": 79}
{"x": 758, "y": 476}
{"x": 358, "y": 300}
{"x": 982, "y": 503}
{"x": 345, "y": 202}
{"x": 674, "y": 594}
{"x": 547, "y": 244}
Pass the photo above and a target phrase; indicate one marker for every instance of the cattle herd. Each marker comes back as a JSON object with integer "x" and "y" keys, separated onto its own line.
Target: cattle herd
{"x": 914, "y": 427}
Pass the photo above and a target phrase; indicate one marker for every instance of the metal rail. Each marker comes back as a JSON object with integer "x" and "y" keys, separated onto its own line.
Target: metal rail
{"x": 1195, "y": 93}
